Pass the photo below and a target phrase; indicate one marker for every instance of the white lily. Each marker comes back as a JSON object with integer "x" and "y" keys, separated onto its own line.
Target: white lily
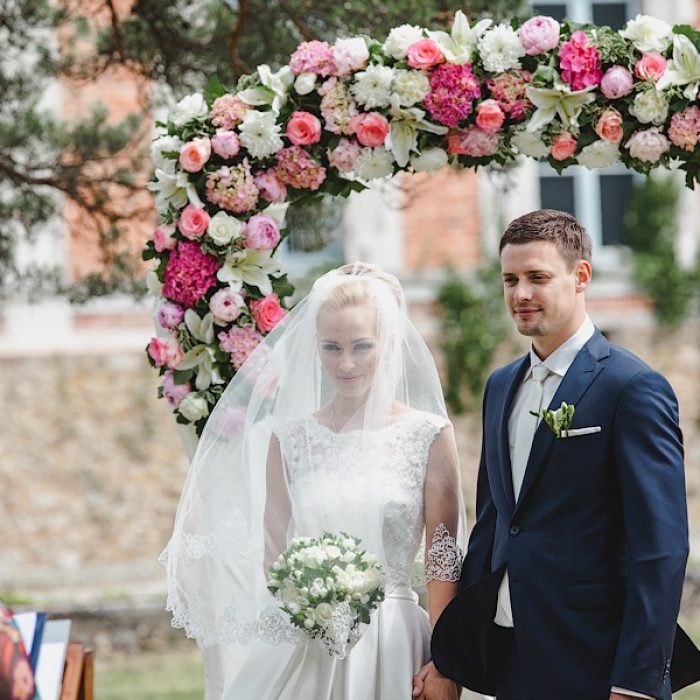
{"x": 253, "y": 267}
{"x": 175, "y": 189}
{"x": 551, "y": 102}
{"x": 278, "y": 211}
{"x": 459, "y": 45}
{"x": 683, "y": 69}
{"x": 201, "y": 356}
{"x": 405, "y": 124}
{"x": 273, "y": 90}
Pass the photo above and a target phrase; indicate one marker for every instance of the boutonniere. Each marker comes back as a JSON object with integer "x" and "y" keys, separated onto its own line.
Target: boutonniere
{"x": 559, "y": 421}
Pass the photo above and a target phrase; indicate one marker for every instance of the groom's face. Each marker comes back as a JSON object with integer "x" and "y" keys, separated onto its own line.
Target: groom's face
{"x": 543, "y": 292}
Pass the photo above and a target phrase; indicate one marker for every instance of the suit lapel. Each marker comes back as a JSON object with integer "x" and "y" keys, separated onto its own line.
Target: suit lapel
{"x": 584, "y": 369}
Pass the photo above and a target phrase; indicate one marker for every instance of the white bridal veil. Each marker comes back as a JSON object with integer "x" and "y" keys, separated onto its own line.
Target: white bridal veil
{"x": 239, "y": 507}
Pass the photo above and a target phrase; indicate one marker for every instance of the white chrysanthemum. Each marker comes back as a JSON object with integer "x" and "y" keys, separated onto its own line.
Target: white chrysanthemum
{"x": 500, "y": 48}
{"x": 599, "y": 154}
{"x": 163, "y": 144}
{"x": 372, "y": 87}
{"x": 190, "y": 107}
{"x": 648, "y": 33}
{"x": 400, "y": 38}
{"x": 650, "y": 107}
{"x": 530, "y": 144}
{"x": 411, "y": 86}
{"x": 429, "y": 160}
{"x": 260, "y": 134}
{"x": 374, "y": 163}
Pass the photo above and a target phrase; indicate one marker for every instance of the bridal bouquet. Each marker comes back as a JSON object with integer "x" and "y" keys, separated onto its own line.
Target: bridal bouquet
{"x": 328, "y": 585}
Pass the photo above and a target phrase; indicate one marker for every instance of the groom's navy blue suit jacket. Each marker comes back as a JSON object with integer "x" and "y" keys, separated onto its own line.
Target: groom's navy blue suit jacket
{"x": 595, "y": 547}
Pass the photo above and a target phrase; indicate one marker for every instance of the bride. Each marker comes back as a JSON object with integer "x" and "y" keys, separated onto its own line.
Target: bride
{"x": 336, "y": 423}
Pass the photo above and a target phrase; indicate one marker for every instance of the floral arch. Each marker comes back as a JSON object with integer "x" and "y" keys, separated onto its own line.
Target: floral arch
{"x": 339, "y": 116}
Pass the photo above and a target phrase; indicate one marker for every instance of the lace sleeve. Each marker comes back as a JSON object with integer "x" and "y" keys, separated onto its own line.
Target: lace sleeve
{"x": 443, "y": 561}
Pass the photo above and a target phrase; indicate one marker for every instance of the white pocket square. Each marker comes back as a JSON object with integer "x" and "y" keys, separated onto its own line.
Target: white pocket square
{"x": 575, "y": 432}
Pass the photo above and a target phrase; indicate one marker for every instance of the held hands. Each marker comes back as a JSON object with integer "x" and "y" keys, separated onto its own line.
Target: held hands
{"x": 430, "y": 684}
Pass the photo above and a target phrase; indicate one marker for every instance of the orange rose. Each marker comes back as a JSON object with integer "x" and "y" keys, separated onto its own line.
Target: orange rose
{"x": 609, "y": 126}
{"x": 563, "y": 146}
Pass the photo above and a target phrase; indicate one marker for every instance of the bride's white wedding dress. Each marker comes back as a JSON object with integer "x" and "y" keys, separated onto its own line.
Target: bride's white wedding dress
{"x": 397, "y": 641}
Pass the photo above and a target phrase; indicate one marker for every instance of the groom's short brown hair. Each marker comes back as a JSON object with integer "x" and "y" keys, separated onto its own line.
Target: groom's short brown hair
{"x": 561, "y": 228}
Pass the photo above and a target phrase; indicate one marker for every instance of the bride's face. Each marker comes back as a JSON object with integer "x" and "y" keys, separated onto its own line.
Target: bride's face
{"x": 347, "y": 343}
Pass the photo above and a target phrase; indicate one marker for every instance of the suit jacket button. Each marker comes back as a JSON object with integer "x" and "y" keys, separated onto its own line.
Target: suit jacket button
{"x": 514, "y": 530}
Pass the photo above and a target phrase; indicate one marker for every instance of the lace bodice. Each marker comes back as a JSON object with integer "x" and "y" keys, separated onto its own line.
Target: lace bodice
{"x": 363, "y": 482}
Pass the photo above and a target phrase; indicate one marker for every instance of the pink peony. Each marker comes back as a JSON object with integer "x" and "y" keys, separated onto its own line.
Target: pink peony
{"x": 371, "y": 128}
{"x": 296, "y": 168}
{"x": 194, "y": 154}
{"x": 563, "y": 146}
{"x": 174, "y": 393}
{"x": 489, "y": 116}
{"x": 345, "y": 155}
{"x": 239, "y": 341}
{"x": 539, "y": 35}
{"x": 508, "y": 89}
{"x": 170, "y": 315}
{"x": 165, "y": 352}
{"x": 617, "y": 82}
{"x": 270, "y": 188}
{"x": 424, "y": 54}
{"x": 651, "y": 66}
{"x": 189, "y": 273}
{"x": 193, "y": 221}
{"x": 609, "y": 126}
{"x": 228, "y": 111}
{"x": 313, "y": 57}
{"x": 337, "y": 106}
{"x": 648, "y": 145}
{"x": 580, "y": 62}
{"x": 232, "y": 188}
{"x": 453, "y": 88}
{"x": 267, "y": 312}
{"x": 163, "y": 237}
{"x": 262, "y": 232}
{"x": 349, "y": 56}
{"x": 225, "y": 143}
{"x": 226, "y": 305}
{"x": 303, "y": 129}
{"x": 685, "y": 127}
{"x": 473, "y": 142}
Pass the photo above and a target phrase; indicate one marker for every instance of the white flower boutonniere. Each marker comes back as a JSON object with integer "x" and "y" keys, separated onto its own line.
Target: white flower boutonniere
{"x": 560, "y": 420}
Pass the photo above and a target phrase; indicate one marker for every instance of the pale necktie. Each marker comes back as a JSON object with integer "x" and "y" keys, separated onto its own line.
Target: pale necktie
{"x": 527, "y": 424}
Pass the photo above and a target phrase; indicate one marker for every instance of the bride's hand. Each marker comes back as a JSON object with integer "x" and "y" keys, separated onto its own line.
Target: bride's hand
{"x": 430, "y": 684}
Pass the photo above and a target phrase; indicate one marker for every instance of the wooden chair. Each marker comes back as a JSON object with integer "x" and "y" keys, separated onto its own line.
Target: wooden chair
{"x": 78, "y": 674}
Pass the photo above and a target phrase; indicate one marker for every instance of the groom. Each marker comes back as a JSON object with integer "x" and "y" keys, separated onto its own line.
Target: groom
{"x": 573, "y": 576}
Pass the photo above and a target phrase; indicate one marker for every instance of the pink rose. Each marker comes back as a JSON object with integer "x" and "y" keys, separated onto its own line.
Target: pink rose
{"x": 165, "y": 351}
{"x": 651, "y": 66}
{"x": 194, "y": 154}
{"x": 262, "y": 232}
{"x": 539, "y": 34}
{"x": 193, "y": 221}
{"x": 269, "y": 187}
{"x": 267, "y": 312}
{"x": 350, "y": 55}
{"x": 609, "y": 126}
{"x": 226, "y": 305}
{"x": 563, "y": 146}
{"x": 304, "y": 129}
{"x": 163, "y": 237}
{"x": 172, "y": 392}
{"x": 473, "y": 142}
{"x": 489, "y": 116}
{"x": 170, "y": 315}
{"x": 371, "y": 128}
{"x": 424, "y": 54}
{"x": 225, "y": 143}
{"x": 617, "y": 82}
{"x": 648, "y": 145}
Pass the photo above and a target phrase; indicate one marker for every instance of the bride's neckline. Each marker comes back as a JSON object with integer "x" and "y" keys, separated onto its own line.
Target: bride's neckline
{"x": 397, "y": 418}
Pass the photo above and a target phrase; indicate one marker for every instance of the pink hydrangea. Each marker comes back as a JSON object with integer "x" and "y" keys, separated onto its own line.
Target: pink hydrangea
{"x": 189, "y": 273}
{"x": 313, "y": 57}
{"x": 685, "y": 128}
{"x": 232, "y": 188}
{"x": 240, "y": 341}
{"x": 228, "y": 111}
{"x": 337, "y": 106}
{"x": 174, "y": 393}
{"x": 580, "y": 62}
{"x": 453, "y": 89}
{"x": 296, "y": 168}
{"x": 345, "y": 155}
{"x": 508, "y": 89}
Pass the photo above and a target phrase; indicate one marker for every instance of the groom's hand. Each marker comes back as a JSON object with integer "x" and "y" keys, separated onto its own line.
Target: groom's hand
{"x": 430, "y": 684}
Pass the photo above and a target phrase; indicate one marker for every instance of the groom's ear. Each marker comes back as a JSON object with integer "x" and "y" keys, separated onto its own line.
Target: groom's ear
{"x": 583, "y": 272}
